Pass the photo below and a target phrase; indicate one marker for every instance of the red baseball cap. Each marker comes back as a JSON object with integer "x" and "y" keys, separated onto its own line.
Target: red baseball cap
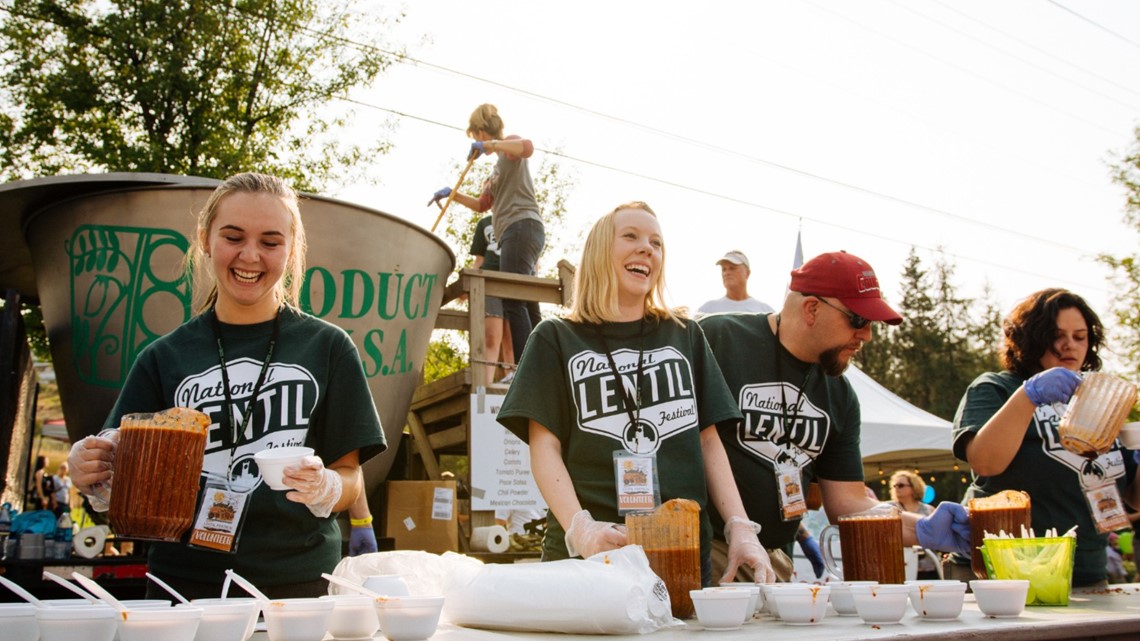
{"x": 848, "y": 278}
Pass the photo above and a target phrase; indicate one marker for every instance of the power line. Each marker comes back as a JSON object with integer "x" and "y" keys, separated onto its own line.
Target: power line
{"x": 1014, "y": 56}
{"x": 405, "y": 59}
{"x": 726, "y": 151}
{"x": 999, "y": 85}
{"x": 1044, "y": 52}
{"x": 739, "y": 201}
{"x": 1094, "y": 23}
{"x": 699, "y": 143}
{"x": 933, "y": 124}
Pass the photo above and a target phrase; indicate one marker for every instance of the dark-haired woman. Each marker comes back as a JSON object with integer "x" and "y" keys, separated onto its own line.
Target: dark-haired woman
{"x": 1006, "y": 425}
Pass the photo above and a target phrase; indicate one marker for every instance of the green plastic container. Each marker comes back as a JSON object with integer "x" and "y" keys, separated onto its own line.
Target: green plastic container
{"x": 1046, "y": 562}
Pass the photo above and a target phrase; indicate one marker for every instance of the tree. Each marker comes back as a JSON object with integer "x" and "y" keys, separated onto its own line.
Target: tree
{"x": 184, "y": 86}
{"x": 942, "y": 344}
{"x": 1124, "y": 302}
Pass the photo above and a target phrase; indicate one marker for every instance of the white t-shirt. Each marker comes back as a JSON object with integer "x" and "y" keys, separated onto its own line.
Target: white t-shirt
{"x": 726, "y": 304}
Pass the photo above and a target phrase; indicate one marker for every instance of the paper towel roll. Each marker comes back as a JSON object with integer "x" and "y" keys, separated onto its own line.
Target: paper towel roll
{"x": 493, "y": 538}
{"x": 88, "y": 542}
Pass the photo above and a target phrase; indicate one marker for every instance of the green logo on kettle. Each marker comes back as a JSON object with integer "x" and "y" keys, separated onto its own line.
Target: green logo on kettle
{"x": 117, "y": 275}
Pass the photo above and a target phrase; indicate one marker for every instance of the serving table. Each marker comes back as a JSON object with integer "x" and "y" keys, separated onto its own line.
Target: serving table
{"x": 1104, "y": 615}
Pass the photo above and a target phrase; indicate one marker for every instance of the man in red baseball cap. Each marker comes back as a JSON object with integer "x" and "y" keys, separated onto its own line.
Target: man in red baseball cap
{"x": 801, "y": 417}
{"x": 847, "y": 278}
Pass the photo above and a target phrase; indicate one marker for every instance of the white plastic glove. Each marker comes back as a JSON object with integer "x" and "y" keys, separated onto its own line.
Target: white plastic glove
{"x": 314, "y": 485}
{"x": 586, "y": 537}
{"x": 91, "y": 463}
{"x": 744, "y": 549}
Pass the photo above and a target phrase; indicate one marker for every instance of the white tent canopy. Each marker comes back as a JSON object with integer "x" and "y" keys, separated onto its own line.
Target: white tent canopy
{"x": 896, "y": 434}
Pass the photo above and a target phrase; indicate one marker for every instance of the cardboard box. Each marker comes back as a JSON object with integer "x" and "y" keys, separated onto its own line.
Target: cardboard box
{"x": 423, "y": 515}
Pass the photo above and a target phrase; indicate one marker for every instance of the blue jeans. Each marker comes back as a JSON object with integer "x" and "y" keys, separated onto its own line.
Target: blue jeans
{"x": 519, "y": 248}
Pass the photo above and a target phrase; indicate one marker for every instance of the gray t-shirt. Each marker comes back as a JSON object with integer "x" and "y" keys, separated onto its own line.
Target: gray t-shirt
{"x": 513, "y": 193}
{"x": 726, "y": 304}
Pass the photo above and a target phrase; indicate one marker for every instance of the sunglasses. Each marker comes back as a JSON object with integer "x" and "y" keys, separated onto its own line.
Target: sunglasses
{"x": 901, "y": 485}
{"x": 857, "y": 321}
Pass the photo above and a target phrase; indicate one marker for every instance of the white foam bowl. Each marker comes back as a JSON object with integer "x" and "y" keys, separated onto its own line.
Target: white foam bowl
{"x": 937, "y": 600}
{"x": 226, "y": 619}
{"x": 881, "y": 604}
{"x": 409, "y": 618}
{"x": 1130, "y": 435}
{"x": 801, "y": 603}
{"x": 1000, "y": 597}
{"x": 272, "y": 462}
{"x": 168, "y": 624}
{"x": 18, "y": 621}
{"x": 297, "y": 619}
{"x": 77, "y": 623}
{"x": 721, "y": 609}
{"x": 131, "y": 604}
{"x": 353, "y": 617}
{"x": 841, "y": 598}
{"x": 753, "y": 591}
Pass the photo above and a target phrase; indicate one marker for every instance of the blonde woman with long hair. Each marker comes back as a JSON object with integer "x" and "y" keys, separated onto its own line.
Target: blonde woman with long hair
{"x": 267, "y": 375}
{"x": 907, "y": 490}
{"x": 625, "y": 378}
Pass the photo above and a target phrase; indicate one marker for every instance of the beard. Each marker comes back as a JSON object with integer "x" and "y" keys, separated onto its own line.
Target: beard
{"x": 830, "y": 362}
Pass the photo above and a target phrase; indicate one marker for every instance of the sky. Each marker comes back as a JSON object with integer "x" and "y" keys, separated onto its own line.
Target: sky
{"x": 984, "y": 130}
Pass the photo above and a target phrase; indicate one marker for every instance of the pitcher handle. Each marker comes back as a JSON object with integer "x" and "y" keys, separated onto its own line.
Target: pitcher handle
{"x": 830, "y": 532}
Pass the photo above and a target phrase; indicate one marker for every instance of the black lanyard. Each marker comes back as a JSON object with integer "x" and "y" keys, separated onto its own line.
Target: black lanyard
{"x": 631, "y": 404}
{"x": 788, "y": 423}
{"x": 235, "y": 436}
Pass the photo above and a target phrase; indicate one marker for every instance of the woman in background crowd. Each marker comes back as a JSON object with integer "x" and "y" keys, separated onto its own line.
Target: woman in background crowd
{"x": 907, "y": 490}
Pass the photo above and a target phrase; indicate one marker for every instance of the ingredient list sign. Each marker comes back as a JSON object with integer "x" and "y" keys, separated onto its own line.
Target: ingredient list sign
{"x": 500, "y": 462}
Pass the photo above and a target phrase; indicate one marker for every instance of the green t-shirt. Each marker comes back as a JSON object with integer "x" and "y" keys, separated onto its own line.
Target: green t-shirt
{"x": 315, "y": 394}
{"x": 566, "y": 384}
{"x": 1055, "y": 478}
{"x": 483, "y": 243}
{"x": 773, "y": 387}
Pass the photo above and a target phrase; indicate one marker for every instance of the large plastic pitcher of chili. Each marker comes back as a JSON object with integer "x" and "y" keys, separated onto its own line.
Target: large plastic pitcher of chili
{"x": 671, "y": 538}
{"x": 871, "y": 543}
{"x": 158, "y": 462}
{"x": 1098, "y": 409}
{"x": 1007, "y": 511}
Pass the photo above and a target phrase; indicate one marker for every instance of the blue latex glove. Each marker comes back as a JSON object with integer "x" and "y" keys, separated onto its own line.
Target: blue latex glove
{"x": 476, "y": 150}
{"x": 811, "y": 551}
{"x": 362, "y": 540}
{"x": 946, "y": 530}
{"x": 439, "y": 195}
{"x": 1054, "y": 385}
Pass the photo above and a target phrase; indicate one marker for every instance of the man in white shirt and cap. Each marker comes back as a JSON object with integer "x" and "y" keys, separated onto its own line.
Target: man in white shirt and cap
{"x": 734, "y": 273}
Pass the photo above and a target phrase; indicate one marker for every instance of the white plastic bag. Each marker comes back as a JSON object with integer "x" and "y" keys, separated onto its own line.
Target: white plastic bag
{"x": 610, "y": 593}
{"x": 424, "y": 572}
